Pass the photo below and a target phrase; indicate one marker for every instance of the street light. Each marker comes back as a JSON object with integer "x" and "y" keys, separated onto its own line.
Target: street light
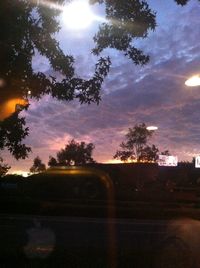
{"x": 152, "y": 128}
{"x": 12, "y": 105}
{"x": 194, "y": 81}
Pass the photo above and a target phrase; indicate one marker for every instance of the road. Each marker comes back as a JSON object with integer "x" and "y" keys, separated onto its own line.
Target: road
{"x": 87, "y": 242}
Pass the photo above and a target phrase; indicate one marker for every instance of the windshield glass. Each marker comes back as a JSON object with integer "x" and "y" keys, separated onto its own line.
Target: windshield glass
{"x": 108, "y": 87}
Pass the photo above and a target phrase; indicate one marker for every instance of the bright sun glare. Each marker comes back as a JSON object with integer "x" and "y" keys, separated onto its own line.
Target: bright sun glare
{"x": 78, "y": 15}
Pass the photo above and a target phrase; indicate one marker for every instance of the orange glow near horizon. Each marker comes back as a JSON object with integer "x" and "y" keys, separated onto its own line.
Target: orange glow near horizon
{"x": 112, "y": 161}
{"x": 20, "y": 172}
{"x": 117, "y": 161}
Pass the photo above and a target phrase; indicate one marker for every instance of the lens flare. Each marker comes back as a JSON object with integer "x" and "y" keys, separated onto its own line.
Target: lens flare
{"x": 77, "y": 15}
{"x": 11, "y": 106}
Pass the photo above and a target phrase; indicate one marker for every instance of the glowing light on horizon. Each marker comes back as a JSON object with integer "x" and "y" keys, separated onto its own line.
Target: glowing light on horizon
{"x": 118, "y": 161}
{"x": 20, "y": 172}
{"x": 113, "y": 161}
{"x": 193, "y": 81}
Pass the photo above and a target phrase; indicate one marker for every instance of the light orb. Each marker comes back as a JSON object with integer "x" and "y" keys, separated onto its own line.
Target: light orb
{"x": 193, "y": 81}
{"x": 77, "y": 15}
{"x": 152, "y": 128}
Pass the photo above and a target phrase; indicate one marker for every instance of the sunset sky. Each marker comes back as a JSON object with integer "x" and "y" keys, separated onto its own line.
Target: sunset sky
{"x": 154, "y": 94}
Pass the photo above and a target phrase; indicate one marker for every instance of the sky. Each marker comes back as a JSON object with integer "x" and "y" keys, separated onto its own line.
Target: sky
{"x": 154, "y": 94}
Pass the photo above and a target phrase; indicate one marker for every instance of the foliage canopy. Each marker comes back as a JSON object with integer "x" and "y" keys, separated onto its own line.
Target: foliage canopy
{"x": 12, "y": 132}
{"x": 3, "y": 167}
{"x": 28, "y": 28}
{"x": 74, "y": 153}
{"x": 38, "y": 166}
{"x": 135, "y": 147}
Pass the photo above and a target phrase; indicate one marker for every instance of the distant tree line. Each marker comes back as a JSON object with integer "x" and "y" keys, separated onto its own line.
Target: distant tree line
{"x": 74, "y": 153}
{"x": 136, "y": 147}
{"x": 37, "y": 166}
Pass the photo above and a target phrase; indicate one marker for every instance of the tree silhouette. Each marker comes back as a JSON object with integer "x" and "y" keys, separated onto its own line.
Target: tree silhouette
{"x": 135, "y": 147}
{"x": 27, "y": 29}
{"x": 127, "y": 21}
{"x": 166, "y": 152}
{"x": 149, "y": 153}
{"x": 182, "y": 2}
{"x": 52, "y": 161}
{"x": 12, "y": 132}
{"x": 3, "y": 167}
{"x": 38, "y": 166}
{"x": 74, "y": 153}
